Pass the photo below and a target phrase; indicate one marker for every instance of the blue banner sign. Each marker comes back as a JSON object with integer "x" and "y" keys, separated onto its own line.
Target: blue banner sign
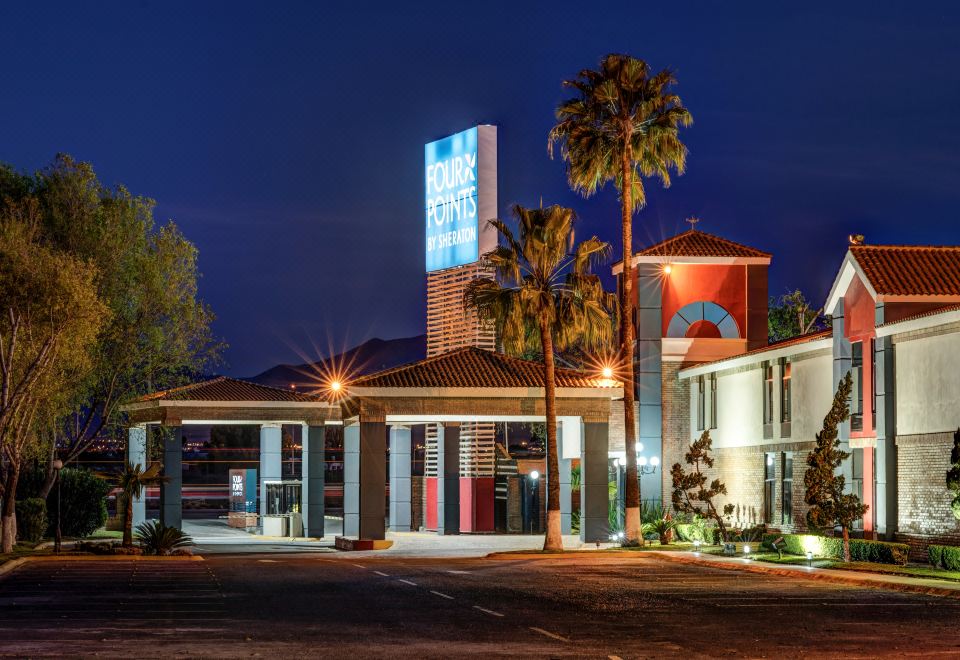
{"x": 453, "y": 232}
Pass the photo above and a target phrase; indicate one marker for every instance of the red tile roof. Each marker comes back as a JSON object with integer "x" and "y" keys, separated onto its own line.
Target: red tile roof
{"x": 474, "y": 367}
{"x": 910, "y": 270}
{"x": 694, "y": 243}
{"x": 223, "y": 388}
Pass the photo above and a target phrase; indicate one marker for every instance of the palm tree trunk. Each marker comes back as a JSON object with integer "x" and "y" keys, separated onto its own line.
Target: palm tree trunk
{"x": 128, "y": 520}
{"x": 632, "y": 527}
{"x": 553, "y": 541}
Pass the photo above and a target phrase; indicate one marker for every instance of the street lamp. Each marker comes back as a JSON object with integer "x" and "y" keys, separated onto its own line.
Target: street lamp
{"x": 57, "y": 466}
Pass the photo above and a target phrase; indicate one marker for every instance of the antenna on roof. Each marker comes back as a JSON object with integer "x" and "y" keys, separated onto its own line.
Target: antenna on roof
{"x": 855, "y": 239}
{"x": 693, "y": 223}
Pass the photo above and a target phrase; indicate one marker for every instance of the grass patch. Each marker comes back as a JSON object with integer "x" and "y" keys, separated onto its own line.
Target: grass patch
{"x": 862, "y": 566}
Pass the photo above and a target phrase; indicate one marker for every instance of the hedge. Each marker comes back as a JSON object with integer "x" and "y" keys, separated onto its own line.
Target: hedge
{"x": 877, "y": 552}
{"x": 31, "y": 519}
{"x": 944, "y": 556}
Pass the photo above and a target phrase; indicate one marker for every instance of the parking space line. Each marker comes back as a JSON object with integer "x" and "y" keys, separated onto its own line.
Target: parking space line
{"x": 483, "y": 609}
{"x": 549, "y": 634}
{"x": 380, "y": 573}
{"x": 437, "y": 593}
{"x": 412, "y": 584}
{"x": 359, "y": 566}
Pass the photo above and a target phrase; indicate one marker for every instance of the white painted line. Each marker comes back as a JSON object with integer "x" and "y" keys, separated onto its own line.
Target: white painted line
{"x": 459, "y": 572}
{"x": 437, "y": 593}
{"x": 383, "y": 574}
{"x": 267, "y": 561}
{"x": 549, "y": 634}
{"x": 359, "y": 566}
{"x": 412, "y": 584}
{"x": 483, "y": 609}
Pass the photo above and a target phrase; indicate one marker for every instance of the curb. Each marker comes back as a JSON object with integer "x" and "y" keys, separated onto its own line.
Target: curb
{"x": 821, "y": 574}
{"x": 14, "y": 564}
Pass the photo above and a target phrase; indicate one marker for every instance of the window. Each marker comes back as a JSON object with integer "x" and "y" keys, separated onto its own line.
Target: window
{"x": 786, "y": 480}
{"x": 856, "y": 395}
{"x": 785, "y": 372}
{"x": 769, "y": 487}
{"x": 701, "y": 402}
{"x": 713, "y": 401}
{"x": 767, "y": 393}
{"x": 873, "y": 379}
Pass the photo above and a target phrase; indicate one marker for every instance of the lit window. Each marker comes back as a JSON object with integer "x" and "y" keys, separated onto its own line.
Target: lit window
{"x": 769, "y": 486}
{"x": 713, "y": 401}
{"x": 785, "y": 373}
{"x": 767, "y": 393}
{"x": 787, "y": 489}
{"x": 701, "y": 402}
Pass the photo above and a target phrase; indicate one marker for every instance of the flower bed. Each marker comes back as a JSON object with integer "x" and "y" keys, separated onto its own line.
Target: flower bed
{"x": 877, "y": 552}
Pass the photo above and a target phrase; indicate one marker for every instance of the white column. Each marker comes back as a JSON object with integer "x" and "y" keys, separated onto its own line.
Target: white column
{"x": 400, "y": 479}
{"x": 137, "y": 455}
{"x": 568, "y": 429}
{"x": 270, "y": 459}
{"x": 351, "y": 481}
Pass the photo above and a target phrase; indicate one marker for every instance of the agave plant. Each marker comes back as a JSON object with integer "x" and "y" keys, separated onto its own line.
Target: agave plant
{"x": 157, "y": 539}
{"x": 663, "y": 527}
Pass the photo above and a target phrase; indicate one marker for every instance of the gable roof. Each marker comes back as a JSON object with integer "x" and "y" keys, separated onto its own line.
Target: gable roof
{"x": 475, "y": 368}
{"x": 910, "y": 270}
{"x": 224, "y": 388}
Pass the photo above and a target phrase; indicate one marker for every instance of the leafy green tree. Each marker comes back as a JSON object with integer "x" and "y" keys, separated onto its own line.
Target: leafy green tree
{"x": 829, "y": 505}
{"x": 790, "y": 315}
{"x": 690, "y": 491}
{"x": 50, "y": 316}
{"x": 546, "y": 296}
{"x": 622, "y": 124}
{"x": 157, "y": 334}
{"x": 953, "y": 475}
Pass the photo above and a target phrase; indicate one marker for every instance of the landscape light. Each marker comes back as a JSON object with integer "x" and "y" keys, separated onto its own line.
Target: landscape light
{"x": 620, "y": 535}
{"x": 809, "y": 559}
{"x": 746, "y": 553}
{"x": 696, "y": 546}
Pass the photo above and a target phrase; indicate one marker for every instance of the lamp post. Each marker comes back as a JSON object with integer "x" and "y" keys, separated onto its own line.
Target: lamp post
{"x": 534, "y": 477}
{"x": 57, "y": 466}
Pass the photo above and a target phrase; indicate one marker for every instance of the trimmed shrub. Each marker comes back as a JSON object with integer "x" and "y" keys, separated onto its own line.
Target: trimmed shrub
{"x": 31, "y": 519}
{"x": 944, "y": 556}
{"x": 84, "y": 500}
{"x": 695, "y": 531}
{"x": 877, "y": 552}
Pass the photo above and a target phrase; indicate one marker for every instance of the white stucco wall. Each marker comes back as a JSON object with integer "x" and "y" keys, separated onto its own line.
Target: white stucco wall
{"x": 740, "y": 403}
{"x": 928, "y": 384}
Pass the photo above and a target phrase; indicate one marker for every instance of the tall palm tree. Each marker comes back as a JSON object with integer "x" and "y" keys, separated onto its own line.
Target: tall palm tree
{"x": 132, "y": 482}
{"x": 622, "y": 124}
{"x": 546, "y": 297}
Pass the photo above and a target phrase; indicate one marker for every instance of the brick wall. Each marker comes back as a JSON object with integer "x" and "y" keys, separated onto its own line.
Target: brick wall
{"x": 416, "y": 503}
{"x": 923, "y": 500}
{"x": 675, "y": 422}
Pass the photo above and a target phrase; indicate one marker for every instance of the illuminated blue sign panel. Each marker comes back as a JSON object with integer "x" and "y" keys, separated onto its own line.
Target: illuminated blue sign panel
{"x": 453, "y": 231}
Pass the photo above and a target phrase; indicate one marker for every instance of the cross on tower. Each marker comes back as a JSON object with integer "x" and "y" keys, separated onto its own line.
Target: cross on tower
{"x": 693, "y": 223}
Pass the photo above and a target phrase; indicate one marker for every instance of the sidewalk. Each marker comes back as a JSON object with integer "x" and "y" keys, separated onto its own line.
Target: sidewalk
{"x": 929, "y": 586}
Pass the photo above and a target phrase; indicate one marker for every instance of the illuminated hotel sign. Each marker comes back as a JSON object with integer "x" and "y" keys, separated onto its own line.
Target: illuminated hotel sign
{"x": 461, "y": 195}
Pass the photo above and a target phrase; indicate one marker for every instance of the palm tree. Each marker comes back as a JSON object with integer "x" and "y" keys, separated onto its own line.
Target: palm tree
{"x": 132, "y": 481}
{"x": 548, "y": 300}
{"x": 621, "y": 125}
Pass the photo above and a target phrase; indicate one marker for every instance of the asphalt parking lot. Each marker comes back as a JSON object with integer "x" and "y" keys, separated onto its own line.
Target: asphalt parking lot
{"x": 364, "y": 605}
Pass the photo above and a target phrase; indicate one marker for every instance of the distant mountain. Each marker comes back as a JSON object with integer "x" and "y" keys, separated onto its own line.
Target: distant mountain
{"x": 370, "y": 356}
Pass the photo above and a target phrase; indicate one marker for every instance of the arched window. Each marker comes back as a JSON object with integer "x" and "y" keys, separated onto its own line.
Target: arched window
{"x": 703, "y": 320}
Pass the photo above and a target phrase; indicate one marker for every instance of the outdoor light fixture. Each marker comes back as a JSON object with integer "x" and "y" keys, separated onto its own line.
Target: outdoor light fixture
{"x": 667, "y": 269}
{"x": 654, "y": 461}
{"x": 809, "y": 559}
{"x": 534, "y": 475}
{"x": 746, "y": 553}
{"x": 641, "y": 461}
{"x": 639, "y": 447}
{"x": 608, "y": 372}
{"x": 696, "y": 547}
{"x": 335, "y": 385}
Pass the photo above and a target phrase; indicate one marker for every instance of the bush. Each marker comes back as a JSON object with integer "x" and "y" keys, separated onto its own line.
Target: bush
{"x": 156, "y": 539}
{"x": 944, "y": 556}
{"x": 83, "y": 497}
{"x": 877, "y": 552}
{"x": 31, "y": 519}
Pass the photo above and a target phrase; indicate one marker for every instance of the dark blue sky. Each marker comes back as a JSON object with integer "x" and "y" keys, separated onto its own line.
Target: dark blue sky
{"x": 286, "y": 139}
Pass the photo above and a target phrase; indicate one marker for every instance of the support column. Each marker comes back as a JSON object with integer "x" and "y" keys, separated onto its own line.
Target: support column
{"x": 270, "y": 459}
{"x": 400, "y": 509}
{"x": 448, "y": 478}
{"x": 364, "y": 480}
{"x": 313, "y": 461}
{"x": 351, "y": 480}
{"x": 171, "y": 491}
{"x": 137, "y": 455}
{"x": 885, "y": 497}
{"x": 649, "y": 370}
{"x": 842, "y": 363}
{"x": 594, "y": 491}
{"x": 566, "y": 506}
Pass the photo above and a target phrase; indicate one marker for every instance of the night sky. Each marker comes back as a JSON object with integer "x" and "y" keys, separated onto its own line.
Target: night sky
{"x": 286, "y": 139}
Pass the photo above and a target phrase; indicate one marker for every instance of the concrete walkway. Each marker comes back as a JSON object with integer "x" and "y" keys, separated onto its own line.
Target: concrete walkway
{"x": 930, "y": 586}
